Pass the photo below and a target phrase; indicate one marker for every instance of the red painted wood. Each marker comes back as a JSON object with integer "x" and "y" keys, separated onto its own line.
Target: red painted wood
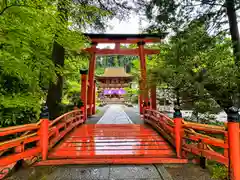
{"x": 178, "y": 135}
{"x": 127, "y": 52}
{"x": 84, "y": 81}
{"x": 143, "y": 70}
{"x": 153, "y": 97}
{"x": 234, "y": 150}
{"x": 94, "y": 98}
{"x": 18, "y": 129}
{"x": 6, "y": 160}
{"x": 112, "y": 161}
{"x": 44, "y": 138}
{"x": 140, "y": 98}
{"x": 92, "y": 64}
{"x": 125, "y": 41}
{"x": 96, "y": 141}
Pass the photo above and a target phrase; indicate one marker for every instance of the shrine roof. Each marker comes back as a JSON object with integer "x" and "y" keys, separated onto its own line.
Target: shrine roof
{"x": 114, "y": 72}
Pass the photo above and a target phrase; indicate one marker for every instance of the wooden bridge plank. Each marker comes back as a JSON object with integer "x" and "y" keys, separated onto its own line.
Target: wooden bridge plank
{"x": 112, "y": 161}
{"x": 94, "y": 141}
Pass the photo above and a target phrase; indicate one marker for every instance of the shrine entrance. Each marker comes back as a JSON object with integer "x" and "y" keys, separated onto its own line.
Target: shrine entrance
{"x": 112, "y": 85}
{"x": 114, "y": 82}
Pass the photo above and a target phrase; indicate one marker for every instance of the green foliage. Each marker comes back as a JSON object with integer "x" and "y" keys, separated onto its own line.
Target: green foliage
{"x": 71, "y": 72}
{"x": 28, "y": 62}
{"x": 178, "y": 16}
{"x": 26, "y": 38}
{"x": 131, "y": 94}
{"x": 172, "y": 14}
{"x": 219, "y": 172}
{"x": 19, "y": 109}
{"x": 26, "y": 66}
{"x": 198, "y": 68}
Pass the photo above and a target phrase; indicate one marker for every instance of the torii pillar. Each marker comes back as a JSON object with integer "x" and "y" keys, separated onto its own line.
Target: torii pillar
{"x": 84, "y": 79}
{"x": 94, "y": 98}
{"x": 92, "y": 64}
{"x": 143, "y": 82}
{"x": 153, "y": 95}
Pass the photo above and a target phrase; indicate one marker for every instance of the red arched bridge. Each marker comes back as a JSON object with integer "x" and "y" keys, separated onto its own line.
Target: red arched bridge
{"x": 68, "y": 139}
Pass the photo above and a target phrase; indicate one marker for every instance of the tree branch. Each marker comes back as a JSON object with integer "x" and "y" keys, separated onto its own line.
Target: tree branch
{"x": 237, "y": 8}
{"x": 13, "y": 5}
{"x": 201, "y": 4}
{"x": 121, "y": 5}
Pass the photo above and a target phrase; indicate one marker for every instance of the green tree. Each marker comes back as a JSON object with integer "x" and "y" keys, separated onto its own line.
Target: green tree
{"x": 27, "y": 32}
{"x": 25, "y": 64}
{"x": 176, "y": 15}
{"x": 198, "y": 66}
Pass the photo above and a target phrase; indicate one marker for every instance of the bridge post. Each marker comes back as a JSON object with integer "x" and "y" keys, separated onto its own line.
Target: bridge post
{"x": 84, "y": 79}
{"x": 233, "y": 142}
{"x": 178, "y": 130}
{"x": 92, "y": 64}
{"x": 44, "y": 138}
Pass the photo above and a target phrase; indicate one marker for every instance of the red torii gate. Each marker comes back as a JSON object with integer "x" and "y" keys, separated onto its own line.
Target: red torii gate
{"x": 118, "y": 39}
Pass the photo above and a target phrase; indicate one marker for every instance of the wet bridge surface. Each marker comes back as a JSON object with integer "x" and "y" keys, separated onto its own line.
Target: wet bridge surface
{"x": 112, "y": 139}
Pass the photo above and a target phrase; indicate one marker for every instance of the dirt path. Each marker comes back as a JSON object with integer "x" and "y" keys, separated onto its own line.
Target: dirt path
{"x": 188, "y": 172}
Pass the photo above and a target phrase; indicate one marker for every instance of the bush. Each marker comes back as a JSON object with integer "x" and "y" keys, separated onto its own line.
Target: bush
{"x": 135, "y": 99}
{"x": 17, "y": 116}
{"x": 19, "y": 110}
{"x": 66, "y": 108}
{"x": 219, "y": 172}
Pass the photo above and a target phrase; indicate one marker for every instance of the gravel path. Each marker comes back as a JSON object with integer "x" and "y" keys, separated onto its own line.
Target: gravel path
{"x": 188, "y": 172}
{"x": 93, "y": 172}
{"x": 133, "y": 114}
{"x": 115, "y": 115}
{"x": 95, "y": 118}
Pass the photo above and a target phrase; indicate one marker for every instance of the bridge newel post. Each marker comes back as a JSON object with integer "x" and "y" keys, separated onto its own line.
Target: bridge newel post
{"x": 84, "y": 81}
{"x": 178, "y": 130}
{"x": 233, "y": 142}
{"x": 44, "y": 138}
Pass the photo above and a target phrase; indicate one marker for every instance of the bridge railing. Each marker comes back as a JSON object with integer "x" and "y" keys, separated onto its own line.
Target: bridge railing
{"x": 19, "y": 142}
{"x": 62, "y": 125}
{"x": 31, "y": 141}
{"x": 205, "y": 141}
{"x": 162, "y": 123}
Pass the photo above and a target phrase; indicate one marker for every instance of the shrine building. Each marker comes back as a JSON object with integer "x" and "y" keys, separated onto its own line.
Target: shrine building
{"x": 112, "y": 84}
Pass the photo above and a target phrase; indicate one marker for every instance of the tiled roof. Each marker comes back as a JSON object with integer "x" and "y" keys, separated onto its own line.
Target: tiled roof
{"x": 115, "y": 72}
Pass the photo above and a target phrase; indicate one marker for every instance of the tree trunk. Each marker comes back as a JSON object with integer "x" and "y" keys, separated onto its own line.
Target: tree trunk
{"x": 233, "y": 25}
{"x": 197, "y": 117}
{"x": 177, "y": 97}
{"x": 54, "y": 96}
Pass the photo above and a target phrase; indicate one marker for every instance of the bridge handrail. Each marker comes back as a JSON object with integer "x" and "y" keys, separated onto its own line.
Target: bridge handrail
{"x": 59, "y": 127}
{"x": 161, "y": 122}
{"x": 18, "y": 129}
{"x": 25, "y": 142}
{"x": 64, "y": 115}
{"x": 198, "y": 139}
